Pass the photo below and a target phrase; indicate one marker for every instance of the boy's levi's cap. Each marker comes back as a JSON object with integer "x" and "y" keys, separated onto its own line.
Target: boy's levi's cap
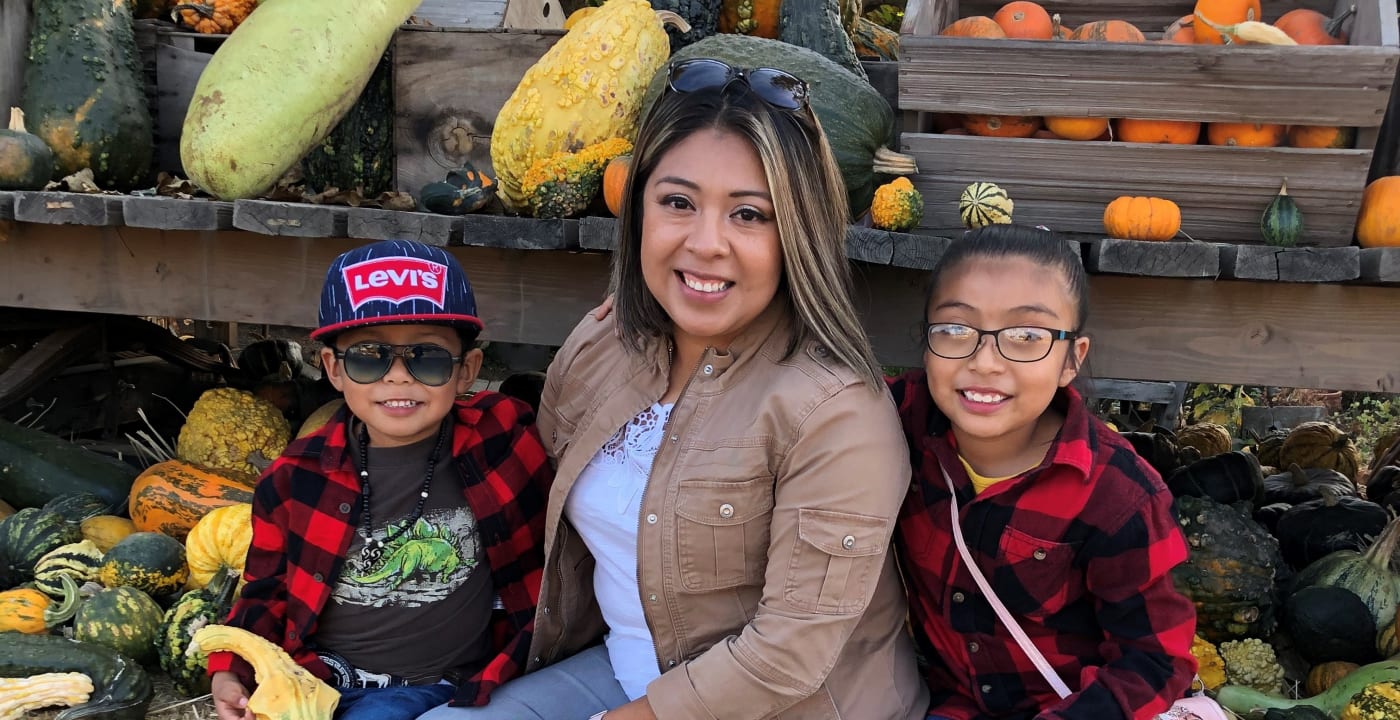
{"x": 395, "y": 281}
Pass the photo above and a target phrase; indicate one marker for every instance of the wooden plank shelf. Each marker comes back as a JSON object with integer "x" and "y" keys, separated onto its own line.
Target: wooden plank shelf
{"x": 174, "y": 214}
{"x": 290, "y": 219}
{"x": 7, "y": 205}
{"x": 1157, "y": 259}
{"x": 428, "y": 228}
{"x": 518, "y": 233}
{"x": 1308, "y": 265}
{"x": 63, "y": 208}
{"x": 1380, "y": 266}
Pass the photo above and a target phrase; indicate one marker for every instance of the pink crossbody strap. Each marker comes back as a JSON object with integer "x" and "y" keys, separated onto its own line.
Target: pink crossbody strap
{"x": 1031, "y": 650}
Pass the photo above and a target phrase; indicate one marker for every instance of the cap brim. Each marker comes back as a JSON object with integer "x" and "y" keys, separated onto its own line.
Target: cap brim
{"x": 436, "y": 319}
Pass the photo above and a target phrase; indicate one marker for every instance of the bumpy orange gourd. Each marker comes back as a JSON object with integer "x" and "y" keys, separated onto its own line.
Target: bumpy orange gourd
{"x": 1246, "y": 134}
{"x": 759, "y": 18}
{"x": 1025, "y": 20}
{"x": 215, "y": 16}
{"x": 1171, "y": 132}
{"x": 1142, "y": 218}
{"x": 1310, "y": 27}
{"x": 976, "y": 26}
{"x": 1108, "y": 31}
{"x": 615, "y": 183}
{"x": 172, "y": 496}
{"x": 218, "y": 543}
{"x": 1378, "y": 223}
{"x": 1222, "y": 12}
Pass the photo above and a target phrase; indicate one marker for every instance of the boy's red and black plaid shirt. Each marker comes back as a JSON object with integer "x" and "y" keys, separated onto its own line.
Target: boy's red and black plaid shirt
{"x": 1078, "y": 548}
{"x": 306, "y": 507}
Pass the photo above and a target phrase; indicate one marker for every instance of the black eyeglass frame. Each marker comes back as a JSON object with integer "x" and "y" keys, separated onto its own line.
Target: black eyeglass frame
{"x": 1055, "y": 335}
{"x": 798, "y": 96}
{"x": 397, "y": 352}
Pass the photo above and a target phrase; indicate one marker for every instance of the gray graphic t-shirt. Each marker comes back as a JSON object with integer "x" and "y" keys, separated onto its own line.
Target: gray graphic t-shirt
{"x": 424, "y": 606}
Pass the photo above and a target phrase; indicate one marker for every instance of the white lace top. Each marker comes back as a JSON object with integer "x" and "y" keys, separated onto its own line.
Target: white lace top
{"x": 604, "y": 505}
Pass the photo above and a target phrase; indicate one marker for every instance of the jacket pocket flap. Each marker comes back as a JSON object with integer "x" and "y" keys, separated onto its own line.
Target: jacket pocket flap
{"x": 842, "y": 534}
{"x": 724, "y": 503}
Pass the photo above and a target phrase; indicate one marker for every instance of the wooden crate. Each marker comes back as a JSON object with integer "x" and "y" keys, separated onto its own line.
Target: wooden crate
{"x": 1065, "y": 185}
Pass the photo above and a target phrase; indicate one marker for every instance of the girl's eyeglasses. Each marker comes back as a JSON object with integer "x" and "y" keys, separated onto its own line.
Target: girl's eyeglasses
{"x": 778, "y": 88}
{"x": 1022, "y": 344}
{"x": 429, "y": 364}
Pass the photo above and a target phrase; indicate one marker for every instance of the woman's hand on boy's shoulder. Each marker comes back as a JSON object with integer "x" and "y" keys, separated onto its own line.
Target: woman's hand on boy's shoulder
{"x": 601, "y": 312}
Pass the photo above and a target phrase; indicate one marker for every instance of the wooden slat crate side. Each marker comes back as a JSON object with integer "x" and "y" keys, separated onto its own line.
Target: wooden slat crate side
{"x": 1066, "y": 185}
{"x": 462, "y": 13}
{"x": 1148, "y": 16}
{"x": 1338, "y": 86}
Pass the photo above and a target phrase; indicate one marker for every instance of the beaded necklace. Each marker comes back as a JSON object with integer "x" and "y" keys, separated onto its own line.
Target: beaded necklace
{"x": 373, "y": 549}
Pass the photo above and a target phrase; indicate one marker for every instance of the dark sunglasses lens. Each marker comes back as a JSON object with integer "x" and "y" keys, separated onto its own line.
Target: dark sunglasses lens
{"x": 778, "y": 88}
{"x": 430, "y": 364}
{"x": 367, "y": 362}
{"x": 700, "y": 74}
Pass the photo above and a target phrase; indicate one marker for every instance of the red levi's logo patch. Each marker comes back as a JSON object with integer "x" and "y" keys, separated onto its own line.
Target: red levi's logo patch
{"x": 396, "y": 280}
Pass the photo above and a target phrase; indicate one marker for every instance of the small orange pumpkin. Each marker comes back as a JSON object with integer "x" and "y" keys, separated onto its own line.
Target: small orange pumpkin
{"x": 615, "y": 183}
{"x": 1077, "y": 128}
{"x": 1222, "y": 12}
{"x": 1183, "y": 31}
{"x": 1246, "y": 134}
{"x": 1324, "y": 675}
{"x": 1378, "y": 223}
{"x": 975, "y": 26}
{"x": 1142, "y": 218}
{"x": 1321, "y": 136}
{"x": 1108, "y": 31}
{"x": 22, "y": 611}
{"x": 1005, "y": 126}
{"x": 172, "y": 496}
{"x": 1169, "y": 132}
{"x": 1024, "y": 20}
{"x": 1310, "y": 27}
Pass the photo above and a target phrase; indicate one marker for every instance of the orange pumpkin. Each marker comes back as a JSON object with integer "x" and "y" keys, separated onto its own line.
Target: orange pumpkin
{"x": 1108, "y": 31}
{"x": 1321, "y": 136}
{"x": 758, "y": 18}
{"x": 976, "y": 26}
{"x": 1169, "y": 132}
{"x": 1006, "y": 126}
{"x": 1222, "y": 12}
{"x": 1142, "y": 218}
{"x": 1073, "y": 128}
{"x": 615, "y": 183}
{"x": 1246, "y": 134}
{"x": 1024, "y": 20}
{"x": 1310, "y": 27}
{"x": 1378, "y": 223}
{"x": 1183, "y": 31}
{"x": 22, "y": 611}
{"x": 956, "y": 131}
{"x": 172, "y": 496}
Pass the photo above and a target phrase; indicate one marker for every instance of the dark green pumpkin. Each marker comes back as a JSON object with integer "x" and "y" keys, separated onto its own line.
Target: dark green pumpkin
{"x": 1282, "y": 222}
{"x": 817, "y": 25}
{"x": 465, "y": 190}
{"x": 702, "y": 15}
{"x": 1230, "y": 572}
{"x": 1312, "y": 530}
{"x": 121, "y": 688}
{"x": 124, "y": 619}
{"x": 1226, "y": 478}
{"x": 1367, "y": 574}
{"x": 27, "y": 536}
{"x": 1383, "y": 482}
{"x": 359, "y": 152}
{"x": 151, "y": 562}
{"x": 857, "y": 120}
{"x": 1296, "y": 485}
{"x": 1268, "y": 516}
{"x": 195, "y": 609}
{"x": 83, "y": 91}
{"x": 26, "y": 162}
{"x": 79, "y": 506}
{"x": 1331, "y": 623}
{"x": 1156, "y": 445}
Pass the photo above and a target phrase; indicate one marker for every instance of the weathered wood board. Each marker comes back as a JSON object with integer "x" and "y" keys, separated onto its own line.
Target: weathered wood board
{"x": 1257, "y": 262}
{"x": 1381, "y": 266}
{"x": 175, "y": 214}
{"x": 1157, "y": 259}
{"x": 1142, "y": 328}
{"x": 62, "y": 208}
{"x": 462, "y": 13}
{"x": 292, "y": 219}
{"x": 371, "y": 224}
{"x": 1065, "y": 185}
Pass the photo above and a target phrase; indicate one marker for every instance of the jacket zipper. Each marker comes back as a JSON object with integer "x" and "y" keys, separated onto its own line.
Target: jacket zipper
{"x": 665, "y": 435}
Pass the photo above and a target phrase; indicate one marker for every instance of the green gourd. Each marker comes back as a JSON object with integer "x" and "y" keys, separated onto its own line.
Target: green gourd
{"x": 1282, "y": 222}
{"x": 26, "y": 162}
{"x": 1246, "y": 700}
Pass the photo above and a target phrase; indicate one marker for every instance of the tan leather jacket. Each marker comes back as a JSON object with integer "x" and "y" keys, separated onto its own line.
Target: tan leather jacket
{"x": 764, "y": 532}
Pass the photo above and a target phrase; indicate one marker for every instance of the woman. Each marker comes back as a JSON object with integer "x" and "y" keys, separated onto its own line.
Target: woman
{"x": 729, "y": 463}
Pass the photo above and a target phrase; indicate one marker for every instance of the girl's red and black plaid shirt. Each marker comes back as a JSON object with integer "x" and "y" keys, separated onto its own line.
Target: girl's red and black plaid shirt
{"x": 1078, "y": 548}
{"x": 306, "y": 507}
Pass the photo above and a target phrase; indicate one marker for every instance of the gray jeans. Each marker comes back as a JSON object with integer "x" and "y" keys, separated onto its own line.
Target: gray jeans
{"x": 573, "y": 689}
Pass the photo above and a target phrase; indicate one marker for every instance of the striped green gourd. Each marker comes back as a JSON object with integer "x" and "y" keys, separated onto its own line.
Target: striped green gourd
{"x": 27, "y": 536}
{"x": 192, "y": 611}
{"x": 984, "y": 203}
{"x": 1282, "y": 222}
{"x": 79, "y": 560}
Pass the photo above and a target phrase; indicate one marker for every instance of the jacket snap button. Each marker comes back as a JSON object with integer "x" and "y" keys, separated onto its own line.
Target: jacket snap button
{"x": 652, "y": 597}
{"x": 973, "y": 647}
{"x": 848, "y": 542}
{"x": 1039, "y": 554}
{"x": 537, "y": 659}
{"x": 554, "y": 436}
{"x": 345, "y": 508}
{"x": 821, "y": 351}
{"x": 958, "y": 597}
{"x": 726, "y": 510}
{"x": 709, "y": 369}
{"x": 651, "y": 519}
{"x": 317, "y": 577}
{"x": 545, "y": 610}
{"x": 671, "y": 663}
{"x": 986, "y": 689}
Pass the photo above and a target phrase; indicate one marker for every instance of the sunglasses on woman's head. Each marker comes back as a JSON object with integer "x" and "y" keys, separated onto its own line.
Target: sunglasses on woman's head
{"x": 778, "y": 88}
{"x": 368, "y": 362}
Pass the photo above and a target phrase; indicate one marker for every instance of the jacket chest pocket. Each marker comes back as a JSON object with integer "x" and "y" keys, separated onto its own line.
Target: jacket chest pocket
{"x": 836, "y": 562}
{"x": 1042, "y": 575}
{"x": 722, "y": 532}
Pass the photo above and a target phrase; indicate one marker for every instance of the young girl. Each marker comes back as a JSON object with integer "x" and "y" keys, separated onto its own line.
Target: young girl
{"x": 1074, "y": 532}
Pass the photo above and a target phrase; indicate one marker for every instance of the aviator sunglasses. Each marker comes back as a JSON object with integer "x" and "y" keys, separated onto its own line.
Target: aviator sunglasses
{"x": 429, "y": 364}
{"x": 778, "y": 88}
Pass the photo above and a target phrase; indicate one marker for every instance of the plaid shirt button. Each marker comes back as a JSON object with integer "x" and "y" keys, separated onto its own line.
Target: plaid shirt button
{"x": 318, "y": 577}
{"x": 345, "y": 508}
{"x": 986, "y": 689}
{"x": 1039, "y": 554}
{"x": 973, "y": 647}
{"x": 959, "y": 597}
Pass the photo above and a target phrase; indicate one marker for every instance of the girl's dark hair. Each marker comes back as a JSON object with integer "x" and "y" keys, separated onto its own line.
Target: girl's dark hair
{"x": 1042, "y": 247}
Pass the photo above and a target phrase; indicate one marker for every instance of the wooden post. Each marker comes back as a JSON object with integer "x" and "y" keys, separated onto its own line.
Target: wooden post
{"x": 14, "y": 47}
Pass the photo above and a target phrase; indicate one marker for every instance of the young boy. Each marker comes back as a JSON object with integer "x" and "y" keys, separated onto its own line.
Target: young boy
{"x": 397, "y": 551}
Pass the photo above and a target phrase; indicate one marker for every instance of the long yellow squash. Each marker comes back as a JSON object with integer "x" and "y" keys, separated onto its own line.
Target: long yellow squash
{"x": 278, "y": 86}
{"x": 586, "y": 89}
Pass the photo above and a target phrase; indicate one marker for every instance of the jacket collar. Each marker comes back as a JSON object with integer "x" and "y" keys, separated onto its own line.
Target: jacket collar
{"x": 772, "y": 326}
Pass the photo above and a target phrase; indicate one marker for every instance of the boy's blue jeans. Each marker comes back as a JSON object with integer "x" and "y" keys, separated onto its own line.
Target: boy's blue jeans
{"x": 391, "y": 703}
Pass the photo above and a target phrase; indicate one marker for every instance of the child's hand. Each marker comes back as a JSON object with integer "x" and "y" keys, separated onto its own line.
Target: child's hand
{"x": 601, "y": 312}
{"x": 230, "y": 697}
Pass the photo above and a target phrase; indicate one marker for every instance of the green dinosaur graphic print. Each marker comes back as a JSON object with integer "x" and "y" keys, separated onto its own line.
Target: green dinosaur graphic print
{"x": 422, "y": 565}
